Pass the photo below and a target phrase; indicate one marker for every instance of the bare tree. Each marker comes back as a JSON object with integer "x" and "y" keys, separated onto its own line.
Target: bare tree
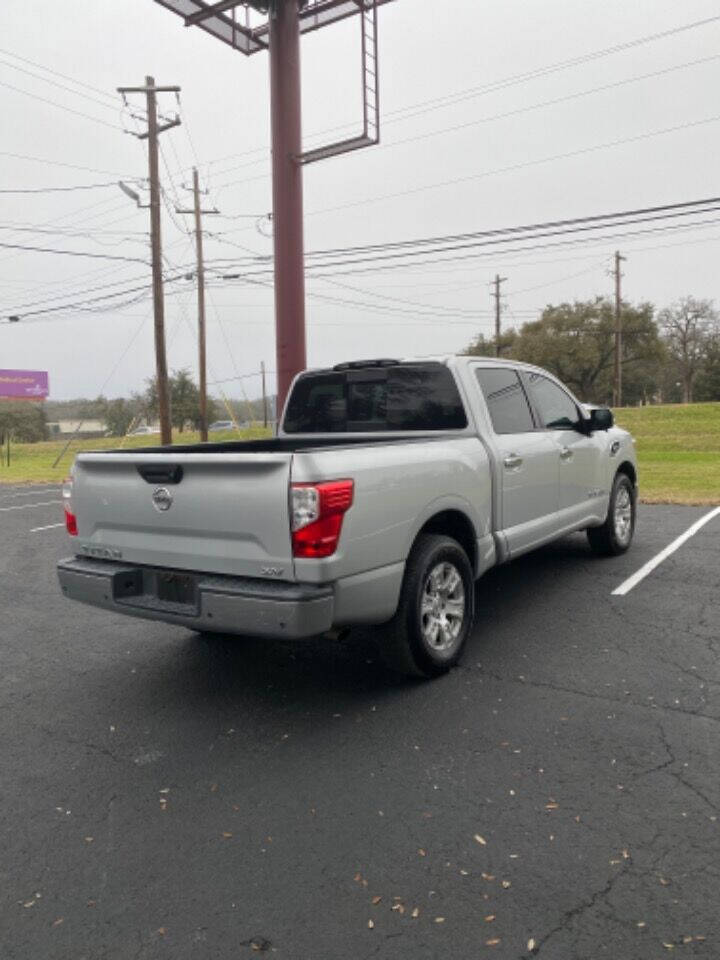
{"x": 687, "y": 326}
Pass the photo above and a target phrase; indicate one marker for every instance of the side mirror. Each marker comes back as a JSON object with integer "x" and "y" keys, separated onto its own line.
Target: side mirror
{"x": 601, "y": 418}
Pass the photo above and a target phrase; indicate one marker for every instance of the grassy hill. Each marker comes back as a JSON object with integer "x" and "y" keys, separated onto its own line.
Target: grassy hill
{"x": 678, "y": 450}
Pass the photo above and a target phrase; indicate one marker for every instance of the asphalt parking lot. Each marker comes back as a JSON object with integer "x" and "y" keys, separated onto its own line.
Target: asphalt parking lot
{"x": 164, "y": 796}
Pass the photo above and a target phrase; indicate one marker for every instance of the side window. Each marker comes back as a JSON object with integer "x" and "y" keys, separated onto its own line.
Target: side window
{"x": 506, "y": 400}
{"x": 557, "y": 409}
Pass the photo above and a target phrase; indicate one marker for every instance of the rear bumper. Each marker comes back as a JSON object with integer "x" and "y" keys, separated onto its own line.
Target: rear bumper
{"x": 221, "y": 604}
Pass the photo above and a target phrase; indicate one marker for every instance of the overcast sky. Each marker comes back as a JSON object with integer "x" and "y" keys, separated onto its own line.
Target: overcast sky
{"x": 419, "y": 182}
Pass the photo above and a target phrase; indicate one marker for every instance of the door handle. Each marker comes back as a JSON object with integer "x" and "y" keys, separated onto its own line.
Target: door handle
{"x": 512, "y": 461}
{"x": 566, "y": 453}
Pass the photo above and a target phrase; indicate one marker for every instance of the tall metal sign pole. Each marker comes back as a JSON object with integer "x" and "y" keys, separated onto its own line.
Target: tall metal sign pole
{"x": 287, "y": 187}
{"x": 251, "y": 26}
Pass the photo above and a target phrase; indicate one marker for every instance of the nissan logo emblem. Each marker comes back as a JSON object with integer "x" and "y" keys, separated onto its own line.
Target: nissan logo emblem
{"x": 162, "y": 499}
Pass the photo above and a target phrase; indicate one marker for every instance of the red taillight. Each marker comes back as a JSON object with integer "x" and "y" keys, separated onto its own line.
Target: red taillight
{"x": 71, "y": 523}
{"x": 70, "y": 518}
{"x": 317, "y": 516}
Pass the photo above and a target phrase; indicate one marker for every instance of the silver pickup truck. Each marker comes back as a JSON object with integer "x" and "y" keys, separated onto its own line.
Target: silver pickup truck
{"x": 390, "y": 487}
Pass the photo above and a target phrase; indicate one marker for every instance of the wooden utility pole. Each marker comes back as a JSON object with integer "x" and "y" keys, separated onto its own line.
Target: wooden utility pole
{"x": 202, "y": 352}
{"x": 262, "y": 372}
{"x": 151, "y": 135}
{"x": 617, "y": 388}
{"x": 496, "y": 294}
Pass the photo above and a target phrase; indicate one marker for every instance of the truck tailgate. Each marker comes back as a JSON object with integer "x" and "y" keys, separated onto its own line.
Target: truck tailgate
{"x": 215, "y": 512}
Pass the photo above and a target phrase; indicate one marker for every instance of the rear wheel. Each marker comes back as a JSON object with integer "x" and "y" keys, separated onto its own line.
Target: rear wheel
{"x": 426, "y": 636}
{"x": 615, "y": 535}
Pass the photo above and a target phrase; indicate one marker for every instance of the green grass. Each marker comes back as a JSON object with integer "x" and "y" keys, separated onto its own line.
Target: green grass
{"x": 678, "y": 450}
{"x": 33, "y": 462}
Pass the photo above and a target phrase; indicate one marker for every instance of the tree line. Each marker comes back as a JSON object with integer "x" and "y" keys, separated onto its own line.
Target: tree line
{"x": 669, "y": 356}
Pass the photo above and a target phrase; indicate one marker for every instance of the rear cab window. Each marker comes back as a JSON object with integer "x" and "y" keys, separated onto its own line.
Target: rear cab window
{"x": 408, "y": 396}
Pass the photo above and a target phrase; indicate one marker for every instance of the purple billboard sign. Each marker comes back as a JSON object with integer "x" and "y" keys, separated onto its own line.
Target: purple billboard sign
{"x": 24, "y": 384}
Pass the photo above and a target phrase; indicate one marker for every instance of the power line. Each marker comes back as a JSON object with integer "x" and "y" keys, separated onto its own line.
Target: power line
{"x": 71, "y": 253}
{"x": 79, "y": 186}
{"x": 555, "y": 101}
{"x": 70, "y": 166}
{"x": 59, "y": 106}
{"x": 393, "y": 116}
{"x": 60, "y": 86}
{"x": 517, "y": 166}
{"x": 56, "y": 73}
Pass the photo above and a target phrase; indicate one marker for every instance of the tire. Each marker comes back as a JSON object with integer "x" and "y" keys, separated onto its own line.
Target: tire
{"x": 615, "y": 535}
{"x": 435, "y": 613}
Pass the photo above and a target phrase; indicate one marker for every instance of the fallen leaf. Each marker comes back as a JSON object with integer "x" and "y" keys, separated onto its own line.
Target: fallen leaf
{"x": 625, "y": 855}
{"x": 160, "y": 931}
{"x": 371, "y": 924}
{"x": 398, "y": 907}
{"x": 687, "y": 939}
{"x": 416, "y": 913}
{"x": 552, "y": 805}
{"x": 669, "y": 946}
{"x": 489, "y": 918}
{"x": 641, "y": 924}
{"x": 439, "y": 919}
{"x": 664, "y": 881}
{"x": 506, "y": 884}
{"x": 88, "y": 839}
{"x": 165, "y": 790}
{"x": 464, "y": 873}
{"x": 29, "y": 903}
{"x": 492, "y": 943}
{"x": 577, "y": 819}
{"x": 532, "y": 945}
{"x": 357, "y": 878}
{"x": 700, "y": 938}
{"x": 488, "y": 876}
{"x": 226, "y": 834}
{"x": 376, "y": 901}
{"x": 213, "y": 788}
{"x": 91, "y": 903}
{"x": 481, "y": 840}
{"x": 421, "y": 852}
{"x": 56, "y": 923}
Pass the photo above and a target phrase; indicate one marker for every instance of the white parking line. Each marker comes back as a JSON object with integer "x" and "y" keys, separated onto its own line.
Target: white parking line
{"x": 50, "y": 526}
{"x": 647, "y": 568}
{"x": 29, "y": 493}
{"x": 30, "y": 506}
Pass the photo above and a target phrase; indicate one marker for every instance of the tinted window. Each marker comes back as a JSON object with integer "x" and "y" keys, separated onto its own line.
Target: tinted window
{"x": 557, "y": 410}
{"x": 405, "y": 397}
{"x": 506, "y": 400}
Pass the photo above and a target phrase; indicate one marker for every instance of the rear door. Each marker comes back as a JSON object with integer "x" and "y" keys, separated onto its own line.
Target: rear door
{"x": 215, "y": 512}
{"x": 527, "y": 472}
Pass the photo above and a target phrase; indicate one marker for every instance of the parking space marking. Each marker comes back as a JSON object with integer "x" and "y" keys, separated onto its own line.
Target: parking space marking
{"x": 28, "y": 493}
{"x": 30, "y": 506}
{"x": 50, "y": 526}
{"x": 647, "y": 568}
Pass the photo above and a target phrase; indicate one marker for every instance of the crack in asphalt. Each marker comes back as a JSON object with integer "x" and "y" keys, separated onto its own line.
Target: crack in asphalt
{"x": 559, "y": 688}
{"x": 597, "y": 897}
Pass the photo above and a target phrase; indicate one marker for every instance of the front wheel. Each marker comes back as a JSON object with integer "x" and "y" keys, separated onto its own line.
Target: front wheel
{"x": 615, "y": 535}
{"x": 426, "y": 636}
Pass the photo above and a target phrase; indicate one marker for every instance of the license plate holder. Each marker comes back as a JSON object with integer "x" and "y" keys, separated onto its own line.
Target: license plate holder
{"x": 173, "y": 587}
